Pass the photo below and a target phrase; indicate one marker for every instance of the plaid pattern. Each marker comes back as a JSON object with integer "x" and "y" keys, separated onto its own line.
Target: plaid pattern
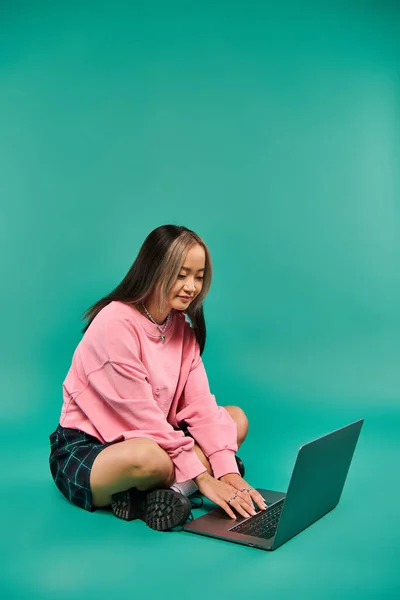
{"x": 72, "y": 454}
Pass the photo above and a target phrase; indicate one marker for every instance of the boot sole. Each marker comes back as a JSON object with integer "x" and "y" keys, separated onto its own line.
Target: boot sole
{"x": 160, "y": 509}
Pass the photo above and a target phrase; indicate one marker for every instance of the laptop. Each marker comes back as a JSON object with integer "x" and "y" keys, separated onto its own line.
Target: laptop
{"x": 315, "y": 488}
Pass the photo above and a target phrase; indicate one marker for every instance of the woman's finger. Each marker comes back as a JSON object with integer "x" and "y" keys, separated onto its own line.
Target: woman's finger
{"x": 243, "y": 509}
{"x": 247, "y": 502}
{"x": 258, "y": 499}
{"x": 227, "y": 509}
{"x": 253, "y": 497}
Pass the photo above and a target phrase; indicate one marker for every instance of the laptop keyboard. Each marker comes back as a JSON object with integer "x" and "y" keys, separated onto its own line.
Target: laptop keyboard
{"x": 263, "y": 524}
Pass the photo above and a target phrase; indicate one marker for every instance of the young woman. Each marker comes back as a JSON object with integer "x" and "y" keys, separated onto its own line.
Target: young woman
{"x": 139, "y": 429}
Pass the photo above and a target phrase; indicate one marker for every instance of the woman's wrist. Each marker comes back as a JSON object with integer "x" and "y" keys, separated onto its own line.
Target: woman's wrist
{"x": 202, "y": 476}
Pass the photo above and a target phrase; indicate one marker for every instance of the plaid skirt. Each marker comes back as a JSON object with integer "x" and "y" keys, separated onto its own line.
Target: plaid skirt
{"x": 72, "y": 454}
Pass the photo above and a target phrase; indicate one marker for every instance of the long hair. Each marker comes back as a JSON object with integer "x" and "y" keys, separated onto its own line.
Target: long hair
{"x": 156, "y": 269}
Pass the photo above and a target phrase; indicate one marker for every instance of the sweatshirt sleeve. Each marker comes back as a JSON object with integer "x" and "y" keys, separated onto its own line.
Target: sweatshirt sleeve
{"x": 125, "y": 405}
{"x": 211, "y": 425}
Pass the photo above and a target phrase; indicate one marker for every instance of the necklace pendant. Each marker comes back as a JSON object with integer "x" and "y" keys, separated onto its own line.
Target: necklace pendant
{"x": 162, "y": 338}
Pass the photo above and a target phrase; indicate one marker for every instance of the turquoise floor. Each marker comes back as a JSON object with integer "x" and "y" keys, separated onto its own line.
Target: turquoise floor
{"x": 50, "y": 549}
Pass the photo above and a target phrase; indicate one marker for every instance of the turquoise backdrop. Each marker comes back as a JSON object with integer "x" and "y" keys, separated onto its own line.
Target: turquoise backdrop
{"x": 273, "y": 131}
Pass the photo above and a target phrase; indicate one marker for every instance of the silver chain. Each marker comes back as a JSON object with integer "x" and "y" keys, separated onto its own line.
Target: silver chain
{"x": 162, "y": 328}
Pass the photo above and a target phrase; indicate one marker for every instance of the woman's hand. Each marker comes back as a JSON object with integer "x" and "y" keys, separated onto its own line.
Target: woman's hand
{"x": 220, "y": 492}
{"x": 238, "y": 483}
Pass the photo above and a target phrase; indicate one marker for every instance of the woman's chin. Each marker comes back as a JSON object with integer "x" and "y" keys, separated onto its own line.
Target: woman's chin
{"x": 179, "y": 304}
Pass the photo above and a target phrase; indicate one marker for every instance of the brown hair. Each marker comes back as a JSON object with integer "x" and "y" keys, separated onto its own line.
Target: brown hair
{"x": 156, "y": 268}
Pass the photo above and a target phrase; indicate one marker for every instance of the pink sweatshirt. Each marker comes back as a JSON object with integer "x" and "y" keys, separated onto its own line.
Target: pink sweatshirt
{"x": 125, "y": 383}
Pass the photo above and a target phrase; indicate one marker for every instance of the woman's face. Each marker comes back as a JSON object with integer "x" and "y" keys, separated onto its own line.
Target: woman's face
{"x": 189, "y": 283}
{"x": 190, "y": 279}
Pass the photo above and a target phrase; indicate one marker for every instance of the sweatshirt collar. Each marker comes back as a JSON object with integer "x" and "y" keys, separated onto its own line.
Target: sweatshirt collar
{"x": 148, "y": 326}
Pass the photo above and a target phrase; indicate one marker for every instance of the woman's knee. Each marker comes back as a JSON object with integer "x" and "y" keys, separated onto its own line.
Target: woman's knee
{"x": 148, "y": 458}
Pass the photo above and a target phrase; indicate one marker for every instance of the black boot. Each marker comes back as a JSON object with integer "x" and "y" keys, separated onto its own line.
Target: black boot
{"x": 160, "y": 509}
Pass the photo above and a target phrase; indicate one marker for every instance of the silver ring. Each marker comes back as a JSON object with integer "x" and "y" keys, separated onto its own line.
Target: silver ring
{"x": 233, "y": 497}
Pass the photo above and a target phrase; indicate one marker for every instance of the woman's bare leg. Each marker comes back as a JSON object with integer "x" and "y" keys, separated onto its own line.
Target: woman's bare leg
{"x": 139, "y": 463}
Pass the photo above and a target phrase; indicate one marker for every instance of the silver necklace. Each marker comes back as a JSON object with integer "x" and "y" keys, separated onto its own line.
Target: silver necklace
{"x": 162, "y": 328}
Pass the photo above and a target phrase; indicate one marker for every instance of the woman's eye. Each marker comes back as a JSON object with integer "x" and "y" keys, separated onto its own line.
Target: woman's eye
{"x": 180, "y": 276}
